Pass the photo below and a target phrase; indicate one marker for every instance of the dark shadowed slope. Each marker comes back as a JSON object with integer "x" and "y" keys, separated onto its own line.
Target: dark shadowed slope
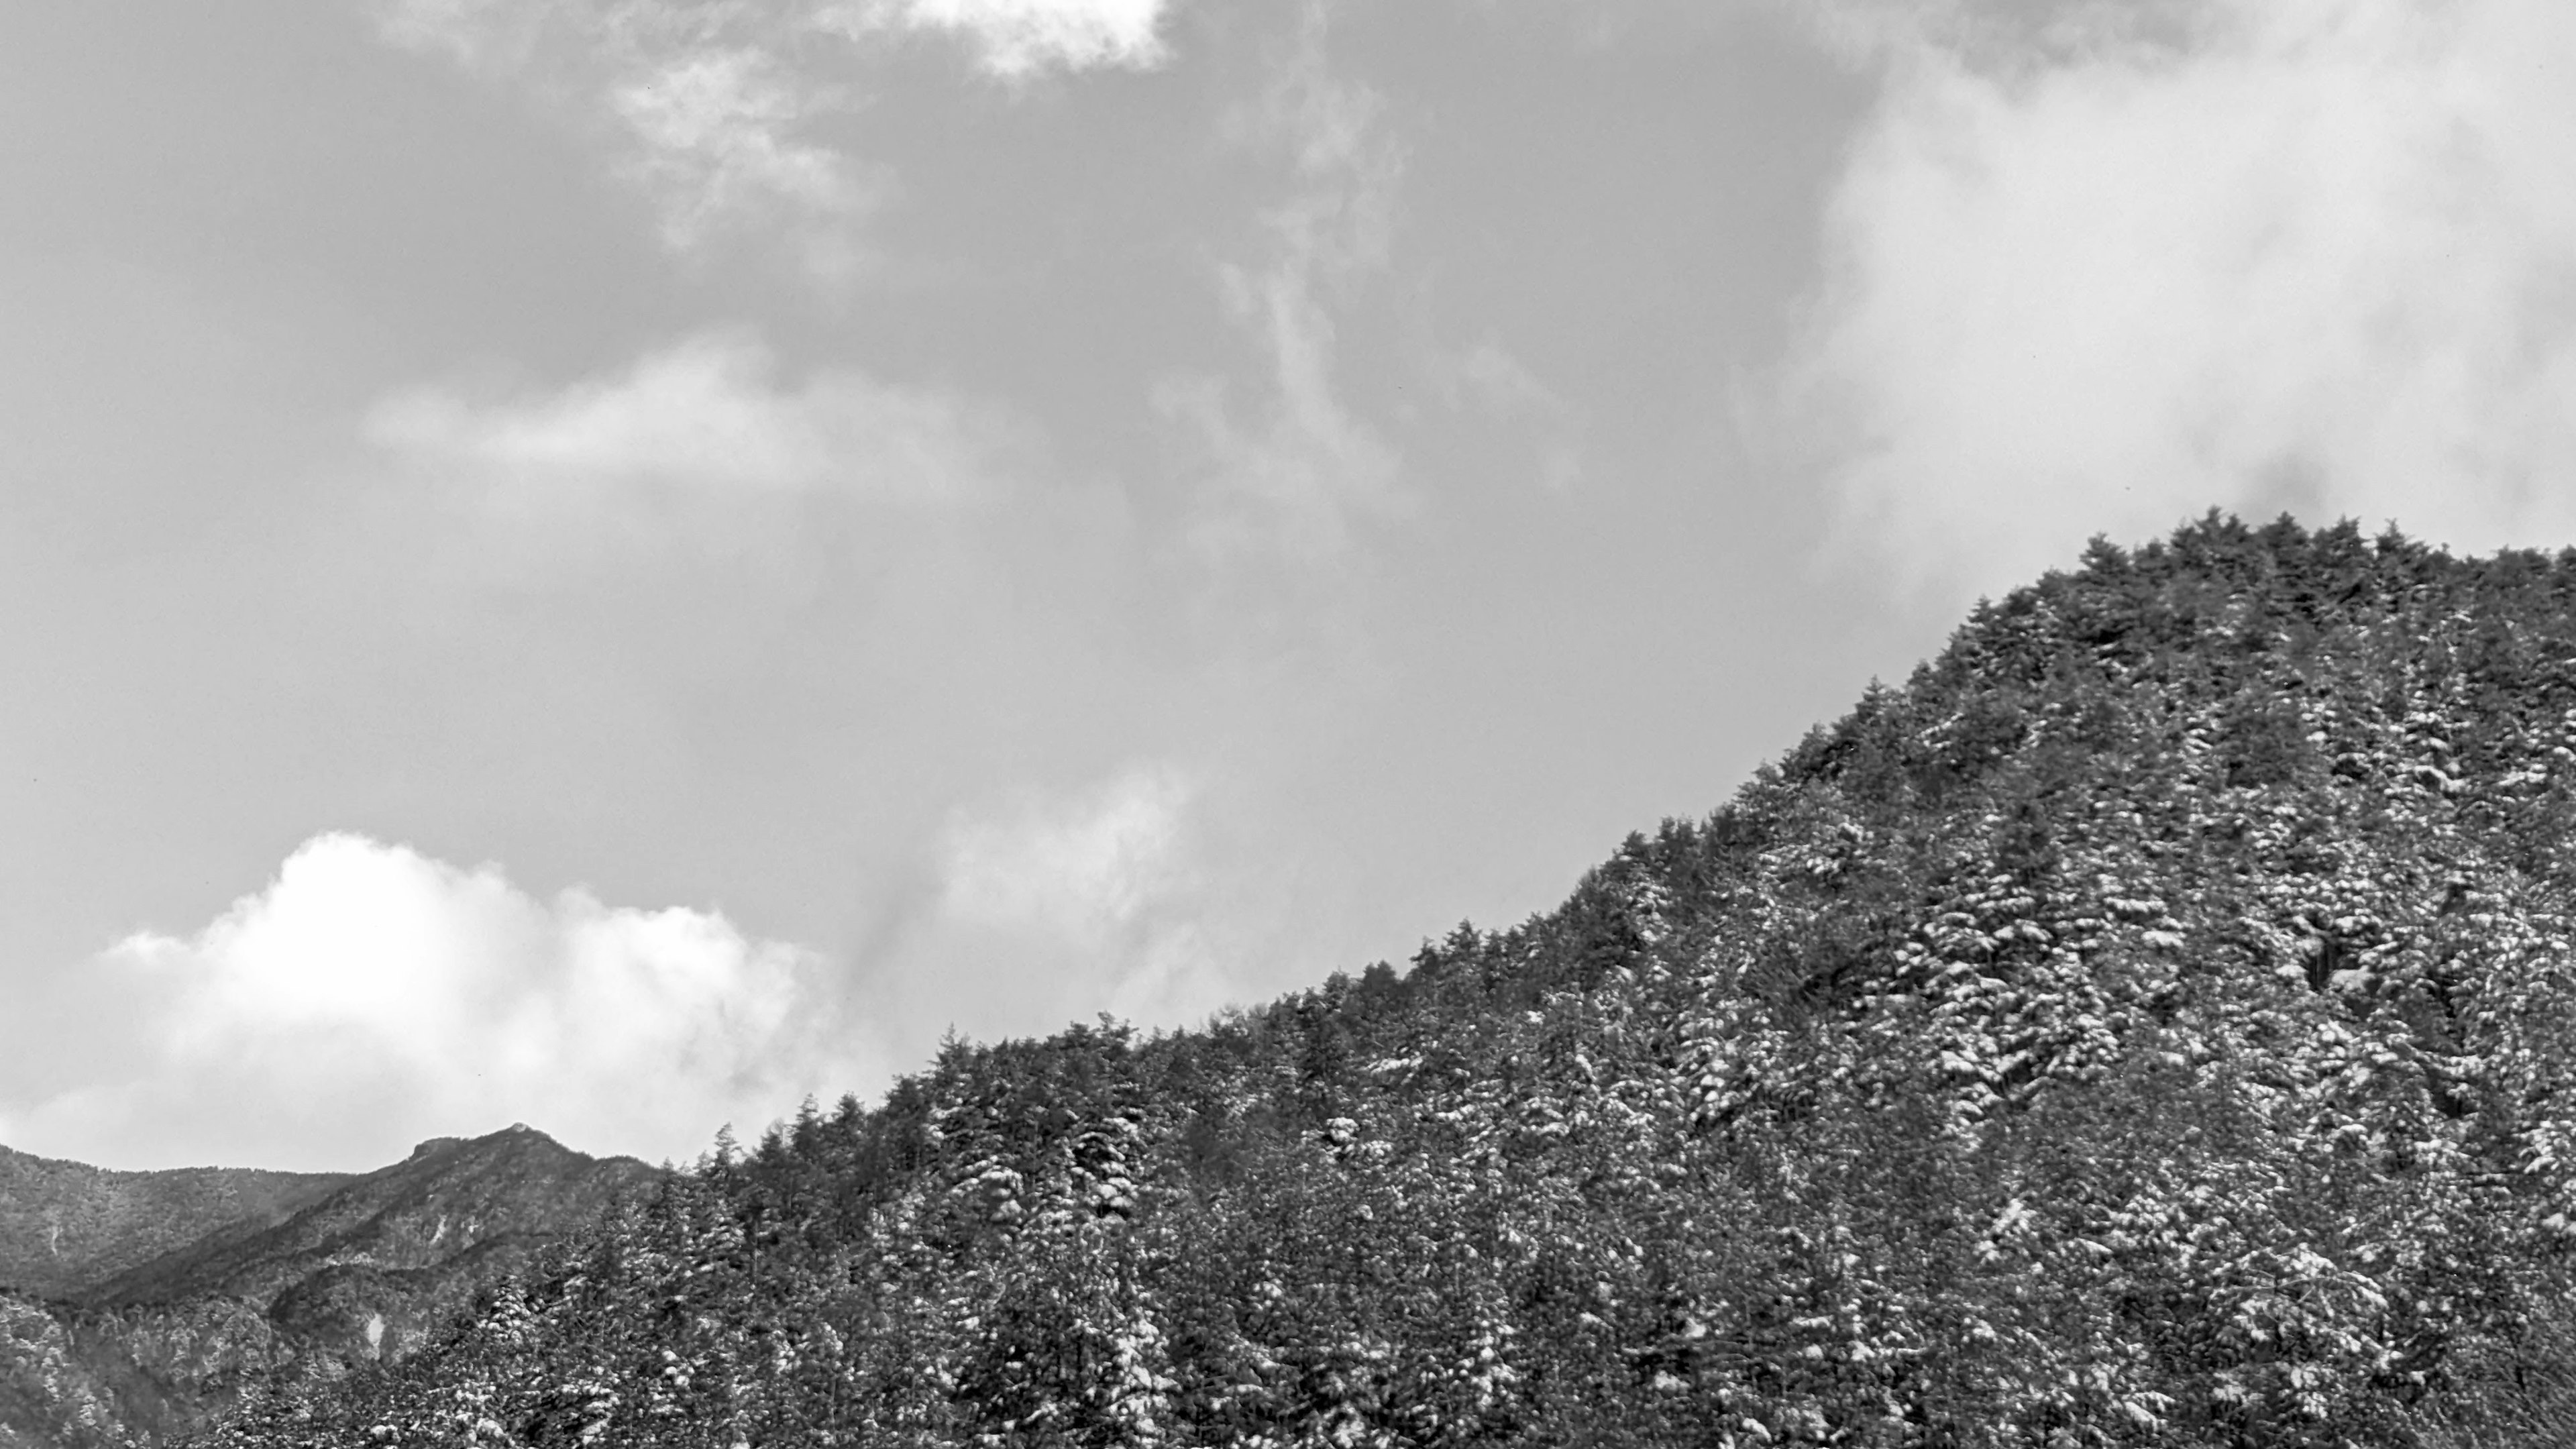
{"x": 66, "y": 1225}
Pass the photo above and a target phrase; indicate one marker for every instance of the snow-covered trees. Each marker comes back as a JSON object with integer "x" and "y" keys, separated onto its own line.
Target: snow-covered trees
{"x": 2153, "y": 1024}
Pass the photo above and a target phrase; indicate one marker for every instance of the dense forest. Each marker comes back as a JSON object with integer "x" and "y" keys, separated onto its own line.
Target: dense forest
{"x": 136, "y": 1306}
{"x": 66, "y": 1224}
{"x": 2150, "y": 1025}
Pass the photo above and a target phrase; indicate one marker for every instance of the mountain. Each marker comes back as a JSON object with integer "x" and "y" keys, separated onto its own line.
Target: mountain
{"x": 2153, "y": 1024}
{"x": 451, "y": 1196}
{"x": 63, "y": 1224}
{"x": 322, "y": 1273}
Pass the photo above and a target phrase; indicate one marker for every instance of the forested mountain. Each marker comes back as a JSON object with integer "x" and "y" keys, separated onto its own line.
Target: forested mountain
{"x": 63, "y": 1224}
{"x": 318, "y": 1274}
{"x": 2148, "y": 1026}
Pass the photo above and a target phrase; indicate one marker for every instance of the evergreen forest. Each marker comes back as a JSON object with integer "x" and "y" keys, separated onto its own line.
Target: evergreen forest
{"x": 2152, "y": 1024}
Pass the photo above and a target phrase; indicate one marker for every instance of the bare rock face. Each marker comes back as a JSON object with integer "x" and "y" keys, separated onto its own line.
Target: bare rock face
{"x": 162, "y": 1307}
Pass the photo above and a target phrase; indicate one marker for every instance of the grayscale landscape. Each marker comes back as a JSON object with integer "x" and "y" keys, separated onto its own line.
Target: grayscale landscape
{"x": 1185, "y": 723}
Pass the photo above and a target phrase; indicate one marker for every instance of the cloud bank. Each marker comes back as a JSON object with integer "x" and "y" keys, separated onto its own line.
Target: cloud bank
{"x": 2100, "y": 271}
{"x": 370, "y": 997}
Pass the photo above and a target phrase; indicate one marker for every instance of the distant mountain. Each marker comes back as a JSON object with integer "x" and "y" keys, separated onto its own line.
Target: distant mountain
{"x": 322, "y": 1274}
{"x": 65, "y": 1224}
{"x": 2152, "y": 1025}
{"x": 449, "y": 1196}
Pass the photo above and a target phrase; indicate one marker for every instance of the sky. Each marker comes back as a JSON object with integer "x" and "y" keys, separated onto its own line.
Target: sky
{"x": 618, "y": 563}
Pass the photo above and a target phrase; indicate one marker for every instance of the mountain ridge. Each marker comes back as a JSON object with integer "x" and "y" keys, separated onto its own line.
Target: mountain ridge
{"x": 63, "y": 1223}
{"x": 358, "y": 1268}
{"x": 496, "y": 1186}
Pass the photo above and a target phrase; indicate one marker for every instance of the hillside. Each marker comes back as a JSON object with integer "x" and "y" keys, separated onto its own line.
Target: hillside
{"x": 65, "y": 1224}
{"x": 450, "y": 1195}
{"x": 2148, "y": 1026}
{"x": 365, "y": 1269}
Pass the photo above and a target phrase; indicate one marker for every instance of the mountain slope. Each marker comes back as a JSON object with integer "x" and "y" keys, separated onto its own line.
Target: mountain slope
{"x": 2149, "y": 1026}
{"x": 366, "y": 1270}
{"x": 66, "y": 1224}
{"x": 450, "y": 1195}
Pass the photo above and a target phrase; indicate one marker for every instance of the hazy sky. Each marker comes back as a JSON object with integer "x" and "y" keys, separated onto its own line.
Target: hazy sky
{"x": 617, "y": 562}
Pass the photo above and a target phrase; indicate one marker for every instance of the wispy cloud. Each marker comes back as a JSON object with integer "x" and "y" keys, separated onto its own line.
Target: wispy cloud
{"x": 370, "y": 996}
{"x": 2101, "y": 272}
{"x": 733, "y": 116}
{"x": 1489, "y": 379}
{"x": 1083, "y": 868}
{"x": 708, "y": 109}
{"x": 716, "y": 141}
{"x": 683, "y": 434}
{"x": 482, "y": 35}
{"x": 1305, "y": 462}
{"x": 1081, "y": 899}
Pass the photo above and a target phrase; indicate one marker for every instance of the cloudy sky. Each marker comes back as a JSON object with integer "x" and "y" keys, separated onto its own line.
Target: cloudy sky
{"x": 613, "y": 563}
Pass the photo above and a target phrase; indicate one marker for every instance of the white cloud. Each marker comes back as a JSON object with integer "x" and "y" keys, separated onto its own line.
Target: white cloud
{"x": 369, "y": 997}
{"x": 686, "y": 433}
{"x": 2102, "y": 273}
{"x": 1015, "y": 38}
